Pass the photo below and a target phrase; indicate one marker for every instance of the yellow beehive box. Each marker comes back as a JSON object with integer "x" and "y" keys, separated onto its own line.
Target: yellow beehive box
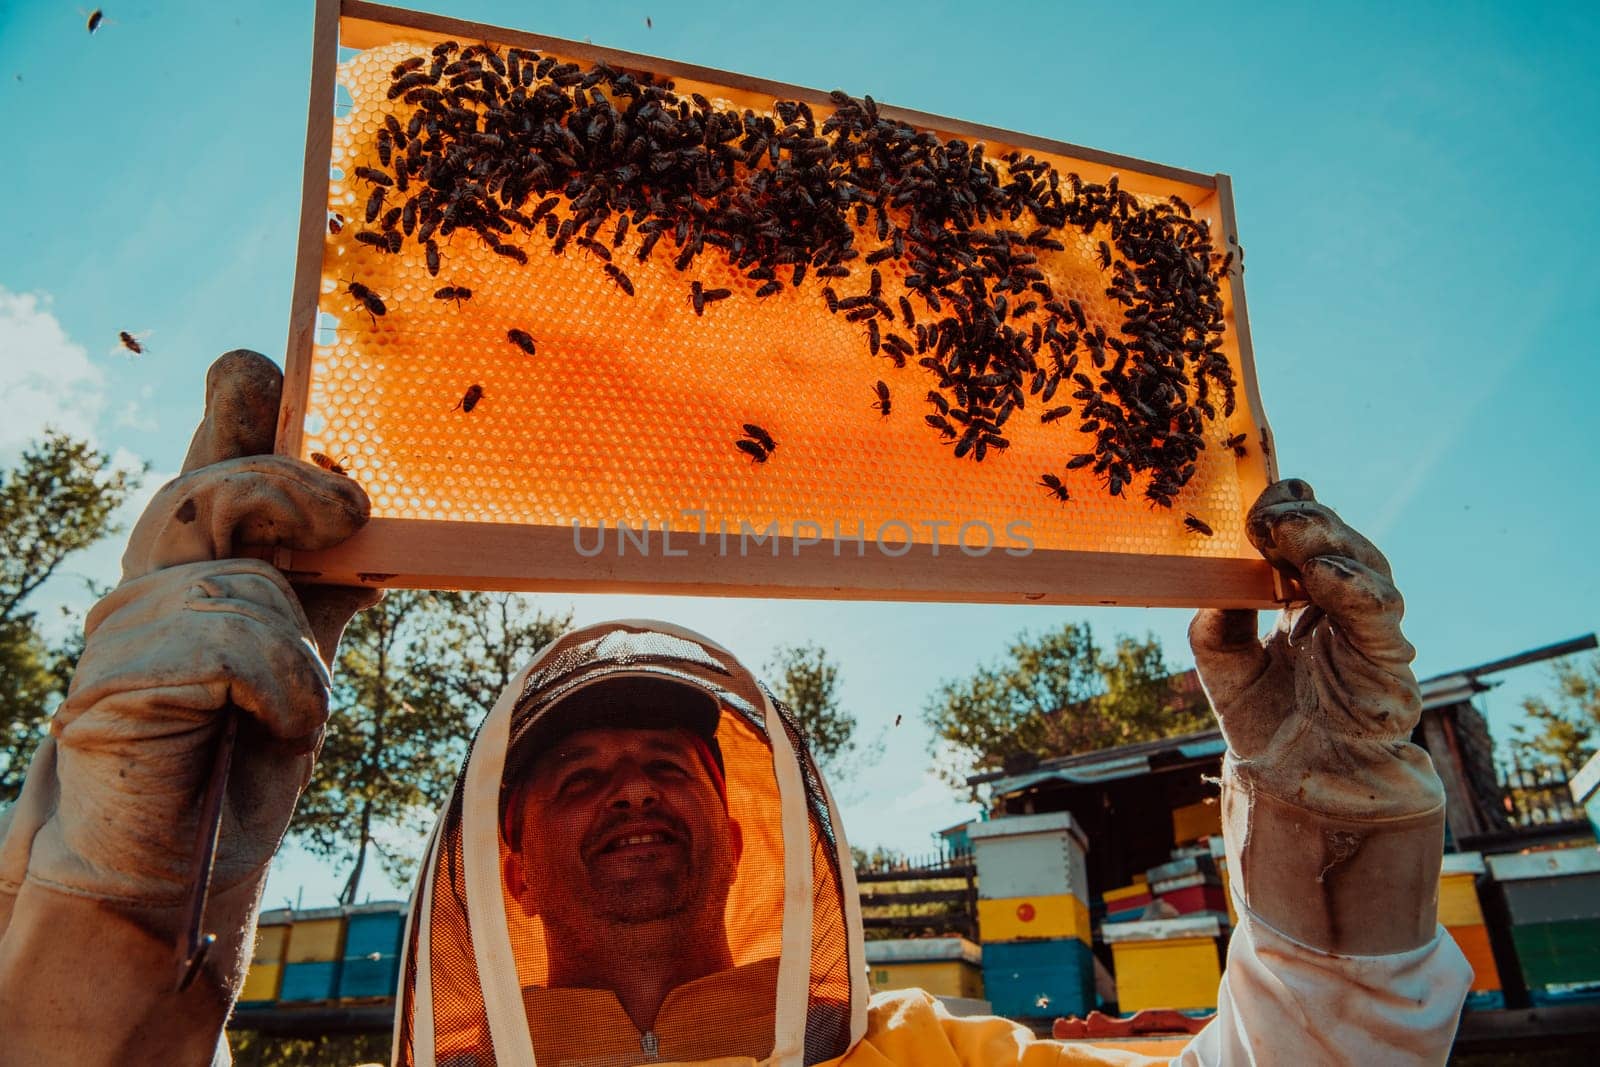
{"x": 1026, "y": 918}
{"x": 1458, "y": 889}
{"x": 271, "y": 939}
{"x": 1193, "y": 822}
{"x": 316, "y": 937}
{"x": 554, "y": 367}
{"x": 1169, "y": 963}
{"x": 944, "y": 966}
{"x": 261, "y": 983}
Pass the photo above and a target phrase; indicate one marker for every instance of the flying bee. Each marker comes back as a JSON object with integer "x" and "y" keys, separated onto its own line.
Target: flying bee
{"x": 522, "y": 339}
{"x": 756, "y": 453}
{"x": 369, "y": 300}
{"x": 1236, "y": 442}
{"x": 1056, "y": 487}
{"x": 1195, "y": 525}
{"x": 328, "y": 463}
{"x": 760, "y": 437}
{"x": 882, "y": 401}
{"x": 133, "y": 342}
{"x": 615, "y": 273}
{"x": 457, "y": 293}
{"x": 469, "y": 399}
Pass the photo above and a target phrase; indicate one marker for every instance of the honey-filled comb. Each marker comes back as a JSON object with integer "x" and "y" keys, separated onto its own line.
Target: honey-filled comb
{"x": 578, "y": 319}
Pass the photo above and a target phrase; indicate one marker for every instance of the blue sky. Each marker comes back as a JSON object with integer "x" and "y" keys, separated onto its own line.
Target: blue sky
{"x": 1415, "y": 187}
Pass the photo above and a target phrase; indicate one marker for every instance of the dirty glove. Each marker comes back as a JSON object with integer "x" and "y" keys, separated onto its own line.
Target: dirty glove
{"x": 95, "y": 857}
{"x": 1334, "y": 820}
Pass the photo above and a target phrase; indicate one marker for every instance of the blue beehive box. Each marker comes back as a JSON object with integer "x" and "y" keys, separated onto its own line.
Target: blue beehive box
{"x": 372, "y": 953}
{"x": 309, "y": 981}
{"x": 1039, "y": 979}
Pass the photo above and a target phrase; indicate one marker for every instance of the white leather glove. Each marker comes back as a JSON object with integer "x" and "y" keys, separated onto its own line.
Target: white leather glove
{"x": 1334, "y": 820}
{"x": 95, "y": 857}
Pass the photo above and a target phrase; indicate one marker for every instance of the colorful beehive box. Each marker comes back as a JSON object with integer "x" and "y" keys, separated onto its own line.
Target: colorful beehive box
{"x": 1033, "y": 918}
{"x": 1585, "y": 786}
{"x": 1553, "y": 899}
{"x": 370, "y": 967}
{"x": 1168, "y": 963}
{"x": 944, "y": 966}
{"x": 1023, "y": 856}
{"x": 1039, "y": 979}
{"x": 1461, "y": 914}
{"x": 1128, "y": 902}
{"x": 266, "y": 961}
{"x": 313, "y": 955}
{"x": 1196, "y": 822}
{"x": 1188, "y": 885}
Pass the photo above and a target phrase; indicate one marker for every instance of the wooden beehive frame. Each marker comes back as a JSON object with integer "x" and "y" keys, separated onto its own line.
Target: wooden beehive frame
{"x": 461, "y": 555}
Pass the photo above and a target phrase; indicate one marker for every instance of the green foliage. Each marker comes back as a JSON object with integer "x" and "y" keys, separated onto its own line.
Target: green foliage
{"x": 415, "y": 676}
{"x": 1057, "y": 694}
{"x": 1566, "y": 724}
{"x": 255, "y": 1049}
{"x": 59, "y": 498}
{"x": 808, "y": 681}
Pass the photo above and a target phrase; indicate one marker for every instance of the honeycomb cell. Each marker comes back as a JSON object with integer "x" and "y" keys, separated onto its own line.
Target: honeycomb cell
{"x": 632, "y": 406}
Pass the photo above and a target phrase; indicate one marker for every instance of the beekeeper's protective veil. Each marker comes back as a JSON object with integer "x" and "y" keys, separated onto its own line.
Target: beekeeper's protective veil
{"x": 501, "y": 961}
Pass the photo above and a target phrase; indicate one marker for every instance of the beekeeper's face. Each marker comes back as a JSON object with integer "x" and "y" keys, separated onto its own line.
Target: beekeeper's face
{"x": 622, "y": 825}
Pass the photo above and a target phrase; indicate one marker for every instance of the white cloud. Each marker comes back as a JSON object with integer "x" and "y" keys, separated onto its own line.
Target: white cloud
{"x": 46, "y": 378}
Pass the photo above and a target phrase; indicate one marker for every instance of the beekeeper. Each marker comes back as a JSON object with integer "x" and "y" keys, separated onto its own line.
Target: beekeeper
{"x": 639, "y": 862}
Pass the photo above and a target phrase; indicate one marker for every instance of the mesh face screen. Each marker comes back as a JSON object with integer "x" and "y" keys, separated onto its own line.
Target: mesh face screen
{"x": 732, "y": 1012}
{"x": 612, "y": 341}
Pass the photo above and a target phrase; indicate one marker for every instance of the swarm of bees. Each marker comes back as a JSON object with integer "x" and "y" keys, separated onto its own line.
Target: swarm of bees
{"x": 511, "y": 145}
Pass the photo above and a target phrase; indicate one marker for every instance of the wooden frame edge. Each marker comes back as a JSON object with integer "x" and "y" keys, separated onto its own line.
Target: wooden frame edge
{"x": 313, "y": 227}
{"x": 413, "y": 553}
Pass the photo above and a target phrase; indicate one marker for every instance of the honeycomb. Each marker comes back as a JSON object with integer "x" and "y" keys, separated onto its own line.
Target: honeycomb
{"x": 630, "y": 408}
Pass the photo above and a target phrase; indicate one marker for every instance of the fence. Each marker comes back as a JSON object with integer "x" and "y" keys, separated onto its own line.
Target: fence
{"x": 1536, "y": 795}
{"x": 919, "y": 896}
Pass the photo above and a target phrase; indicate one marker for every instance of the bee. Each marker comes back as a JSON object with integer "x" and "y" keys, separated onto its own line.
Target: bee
{"x": 457, "y": 293}
{"x": 710, "y": 295}
{"x": 799, "y": 273}
{"x": 371, "y": 301}
{"x": 697, "y": 298}
{"x": 756, "y": 453}
{"x": 1056, "y": 413}
{"x": 1195, "y": 525}
{"x": 937, "y": 400}
{"x": 942, "y": 424}
{"x": 1236, "y": 442}
{"x": 882, "y": 401}
{"x": 469, "y": 399}
{"x": 432, "y": 250}
{"x": 1104, "y": 252}
{"x": 594, "y": 248}
{"x": 406, "y": 66}
{"x": 373, "y": 238}
{"x": 761, "y": 437}
{"x": 771, "y": 288}
{"x": 615, "y": 273}
{"x": 95, "y": 18}
{"x": 328, "y": 463}
{"x": 905, "y": 310}
{"x": 874, "y": 340}
{"x": 832, "y": 298}
{"x": 374, "y": 176}
{"x": 522, "y": 339}
{"x": 132, "y": 342}
{"x": 1056, "y": 487}
{"x": 512, "y": 252}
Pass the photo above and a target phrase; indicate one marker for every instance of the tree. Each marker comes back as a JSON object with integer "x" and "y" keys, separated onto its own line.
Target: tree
{"x": 808, "y": 682}
{"x": 59, "y": 498}
{"x": 415, "y": 676}
{"x": 1566, "y": 724}
{"x": 1058, "y": 694}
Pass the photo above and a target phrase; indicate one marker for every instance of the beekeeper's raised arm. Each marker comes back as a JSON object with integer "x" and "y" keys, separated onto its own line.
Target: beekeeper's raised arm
{"x": 95, "y": 855}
